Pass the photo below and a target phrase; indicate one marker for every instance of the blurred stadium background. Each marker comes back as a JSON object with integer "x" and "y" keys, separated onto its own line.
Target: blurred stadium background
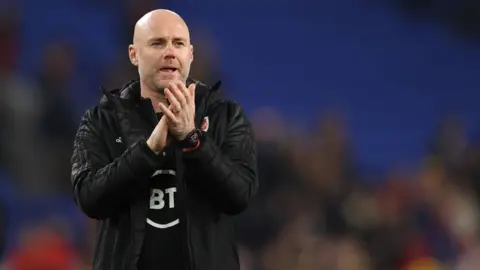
{"x": 366, "y": 111}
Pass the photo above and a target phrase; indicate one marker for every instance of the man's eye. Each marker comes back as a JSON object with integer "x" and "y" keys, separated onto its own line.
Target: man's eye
{"x": 157, "y": 43}
{"x": 180, "y": 43}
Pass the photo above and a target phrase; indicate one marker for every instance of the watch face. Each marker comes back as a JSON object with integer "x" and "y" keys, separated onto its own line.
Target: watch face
{"x": 191, "y": 140}
{"x": 195, "y": 137}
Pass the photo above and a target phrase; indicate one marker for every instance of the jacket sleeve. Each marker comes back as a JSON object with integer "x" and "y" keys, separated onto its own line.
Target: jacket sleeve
{"x": 102, "y": 185}
{"x": 229, "y": 171}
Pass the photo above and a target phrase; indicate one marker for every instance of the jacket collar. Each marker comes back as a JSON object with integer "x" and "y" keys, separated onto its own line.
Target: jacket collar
{"x": 129, "y": 96}
{"x": 131, "y": 90}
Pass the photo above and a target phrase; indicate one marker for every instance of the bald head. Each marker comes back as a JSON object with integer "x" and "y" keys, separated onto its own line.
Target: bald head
{"x": 157, "y": 18}
{"x": 161, "y": 49}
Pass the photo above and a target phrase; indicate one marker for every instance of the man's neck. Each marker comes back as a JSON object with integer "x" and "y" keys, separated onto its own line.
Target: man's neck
{"x": 154, "y": 96}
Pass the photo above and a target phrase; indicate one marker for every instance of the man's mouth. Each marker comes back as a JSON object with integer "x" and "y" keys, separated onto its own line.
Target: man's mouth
{"x": 168, "y": 69}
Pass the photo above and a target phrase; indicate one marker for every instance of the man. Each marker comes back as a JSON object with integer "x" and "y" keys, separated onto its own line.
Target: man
{"x": 175, "y": 138}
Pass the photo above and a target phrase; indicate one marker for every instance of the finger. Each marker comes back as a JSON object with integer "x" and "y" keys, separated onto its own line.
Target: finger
{"x": 172, "y": 99}
{"x": 166, "y": 112}
{"x": 162, "y": 125}
{"x": 163, "y": 121}
{"x": 185, "y": 91}
{"x": 191, "y": 91}
{"x": 178, "y": 94}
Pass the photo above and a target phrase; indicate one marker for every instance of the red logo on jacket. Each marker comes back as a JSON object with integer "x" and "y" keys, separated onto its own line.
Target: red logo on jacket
{"x": 205, "y": 124}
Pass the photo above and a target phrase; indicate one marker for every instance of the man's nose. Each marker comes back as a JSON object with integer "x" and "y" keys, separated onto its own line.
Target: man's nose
{"x": 169, "y": 51}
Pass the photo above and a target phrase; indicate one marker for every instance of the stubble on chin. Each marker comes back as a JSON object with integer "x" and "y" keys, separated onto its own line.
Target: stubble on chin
{"x": 159, "y": 87}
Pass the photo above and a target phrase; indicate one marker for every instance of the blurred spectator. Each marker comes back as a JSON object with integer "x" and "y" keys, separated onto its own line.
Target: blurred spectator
{"x": 54, "y": 80}
{"x": 42, "y": 247}
{"x": 19, "y": 113}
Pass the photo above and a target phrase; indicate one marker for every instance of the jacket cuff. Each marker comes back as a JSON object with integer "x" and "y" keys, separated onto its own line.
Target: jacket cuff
{"x": 204, "y": 153}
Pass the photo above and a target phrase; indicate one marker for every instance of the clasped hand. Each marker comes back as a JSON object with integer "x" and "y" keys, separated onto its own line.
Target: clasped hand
{"x": 178, "y": 118}
{"x": 180, "y": 114}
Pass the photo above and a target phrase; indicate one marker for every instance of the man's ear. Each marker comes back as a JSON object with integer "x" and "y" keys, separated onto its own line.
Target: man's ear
{"x": 132, "y": 54}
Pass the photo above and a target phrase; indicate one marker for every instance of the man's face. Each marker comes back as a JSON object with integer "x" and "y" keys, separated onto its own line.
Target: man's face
{"x": 162, "y": 54}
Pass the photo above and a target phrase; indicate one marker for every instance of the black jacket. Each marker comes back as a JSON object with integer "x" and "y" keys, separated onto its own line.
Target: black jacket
{"x": 111, "y": 166}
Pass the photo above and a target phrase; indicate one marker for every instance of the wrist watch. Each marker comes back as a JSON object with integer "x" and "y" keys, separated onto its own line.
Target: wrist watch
{"x": 191, "y": 141}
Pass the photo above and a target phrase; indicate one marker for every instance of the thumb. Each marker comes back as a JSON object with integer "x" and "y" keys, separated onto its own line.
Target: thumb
{"x": 163, "y": 124}
{"x": 163, "y": 128}
{"x": 163, "y": 121}
{"x": 160, "y": 126}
